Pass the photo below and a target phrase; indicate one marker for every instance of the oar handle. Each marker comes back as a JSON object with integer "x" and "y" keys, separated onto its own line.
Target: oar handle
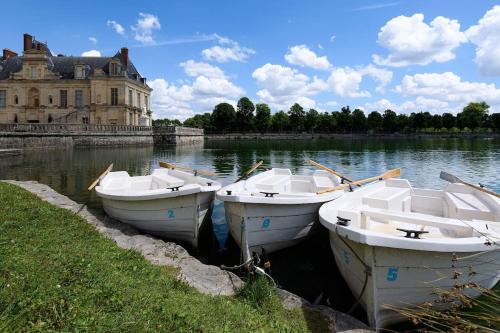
{"x": 173, "y": 166}
{"x": 338, "y": 174}
{"x": 108, "y": 170}
{"x": 252, "y": 169}
{"x": 482, "y": 189}
{"x": 454, "y": 179}
{"x": 388, "y": 174}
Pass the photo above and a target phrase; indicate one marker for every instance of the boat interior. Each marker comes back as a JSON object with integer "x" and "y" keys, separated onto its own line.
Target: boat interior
{"x": 158, "y": 180}
{"x": 283, "y": 182}
{"x": 394, "y": 207}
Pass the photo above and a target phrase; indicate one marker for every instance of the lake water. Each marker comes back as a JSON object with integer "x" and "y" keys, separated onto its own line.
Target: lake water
{"x": 71, "y": 171}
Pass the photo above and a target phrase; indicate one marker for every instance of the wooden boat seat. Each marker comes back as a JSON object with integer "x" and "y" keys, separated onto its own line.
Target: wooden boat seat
{"x": 468, "y": 206}
{"x": 166, "y": 181}
{"x": 387, "y": 198}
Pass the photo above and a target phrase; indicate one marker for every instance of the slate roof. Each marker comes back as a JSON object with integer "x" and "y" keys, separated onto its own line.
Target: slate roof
{"x": 64, "y": 65}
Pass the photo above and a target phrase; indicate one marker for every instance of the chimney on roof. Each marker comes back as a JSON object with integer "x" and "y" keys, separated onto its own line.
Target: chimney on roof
{"x": 28, "y": 41}
{"x": 7, "y": 53}
{"x": 124, "y": 52}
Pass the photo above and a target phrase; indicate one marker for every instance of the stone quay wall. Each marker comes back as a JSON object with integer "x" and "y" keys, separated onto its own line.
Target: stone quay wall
{"x": 177, "y": 135}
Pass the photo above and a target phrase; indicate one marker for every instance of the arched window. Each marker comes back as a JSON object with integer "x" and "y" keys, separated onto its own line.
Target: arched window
{"x": 50, "y": 99}
{"x": 16, "y": 99}
{"x": 50, "y": 118}
{"x": 15, "y": 119}
{"x": 34, "y": 97}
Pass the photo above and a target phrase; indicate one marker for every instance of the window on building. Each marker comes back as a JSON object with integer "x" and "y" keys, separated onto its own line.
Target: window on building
{"x": 79, "y": 72}
{"x": 78, "y": 98}
{"x": 113, "y": 69}
{"x": 138, "y": 100}
{"x": 146, "y": 102}
{"x": 16, "y": 99}
{"x": 130, "y": 101}
{"x": 130, "y": 122}
{"x": 34, "y": 73}
{"x": 63, "y": 98}
{"x": 50, "y": 99}
{"x": 49, "y": 118}
{"x": 99, "y": 120}
{"x": 85, "y": 120}
{"x": 114, "y": 96}
{"x": 3, "y": 98}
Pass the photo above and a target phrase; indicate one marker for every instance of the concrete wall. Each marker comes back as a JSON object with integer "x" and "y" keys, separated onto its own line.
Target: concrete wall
{"x": 177, "y": 135}
{"x": 59, "y": 141}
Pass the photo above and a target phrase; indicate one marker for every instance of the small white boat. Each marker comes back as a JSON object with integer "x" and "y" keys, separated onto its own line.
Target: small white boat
{"x": 168, "y": 203}
{"x": 394, "y": 244}
{"x": 275, "y": 209}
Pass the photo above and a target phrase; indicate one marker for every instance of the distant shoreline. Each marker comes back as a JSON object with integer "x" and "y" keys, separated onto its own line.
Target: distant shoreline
{"x": 350, "y": 136}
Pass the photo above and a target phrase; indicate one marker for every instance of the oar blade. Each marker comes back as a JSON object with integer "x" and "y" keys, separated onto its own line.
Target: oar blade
{"x": 449, "y": 177}
{"x": 392, "y": 173}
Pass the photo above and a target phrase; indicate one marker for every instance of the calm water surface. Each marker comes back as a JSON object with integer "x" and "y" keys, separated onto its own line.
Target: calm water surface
{"x": 70, "y": 172}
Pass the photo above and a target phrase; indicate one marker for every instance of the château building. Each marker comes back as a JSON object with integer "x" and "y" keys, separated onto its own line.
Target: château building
{"x": 40, "y": 87}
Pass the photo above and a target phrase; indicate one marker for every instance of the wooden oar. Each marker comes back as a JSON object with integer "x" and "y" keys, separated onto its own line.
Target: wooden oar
{"x": 454, "y": 179}
{"x": 388, "y": 174}
{"x": 252, "y": 169}
{"x": 338, "y": 174}
{"x": 172, "y": 166}
{"x": 110, "y": 167}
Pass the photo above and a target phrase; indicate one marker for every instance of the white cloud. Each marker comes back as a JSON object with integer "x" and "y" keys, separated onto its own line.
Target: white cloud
{"x": 345, "y": 83}
{"x": 186, "y": 99}
{"x": 117, "y": 27}
{"x": 381, "y": 75}
{"x": 302, "y": 56}
{"x": 91, "y": 53}
{"x": 93, "y": 40}
{"x": 448, "y": 87}
{"x": 143, "y": 30}
{"x": 411, "y": 41}
{"x": 282, "y": 86}
{"x": 229, "y": 51}
{"x": 193, "y": 68}
{"x": 486, "y": 36}
{"x": 332, "y": 38}
{"x": 417, "y": 105}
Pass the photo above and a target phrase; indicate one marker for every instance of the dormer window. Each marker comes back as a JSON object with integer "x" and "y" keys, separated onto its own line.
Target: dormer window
{"x": 114, "y": 68}
{"x": 33, "y": 73}
{"x": 79, "y": 72}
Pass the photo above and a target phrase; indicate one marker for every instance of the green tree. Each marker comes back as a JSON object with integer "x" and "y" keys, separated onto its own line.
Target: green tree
{"x": 167, "y": 122}
{"x": 244, "y": 114}
{"x": 437, "y": 121}
{"x": 223, "y": 117}
{"x": 359, "y": 122}
{"x": 473, "y": 115}
{"x": 326, "y": 123}
{"x": 262, "y": 117}
{"x": 280, "y": 121}
{"x": 449, "y": 120}
{"x": 312, "y": 118}
{"x": 200, "y": 121}
{"x": 297, "y": 117}
{"x": 495, "y": 121}
{"x": 375, "y": 121}
{"x": 344, "y": 121}
{"x": 390, "y": 121}
{"x": 403, "y": 122}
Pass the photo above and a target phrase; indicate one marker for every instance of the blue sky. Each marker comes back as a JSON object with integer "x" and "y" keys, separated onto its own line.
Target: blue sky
{"x": 406, "y": 55}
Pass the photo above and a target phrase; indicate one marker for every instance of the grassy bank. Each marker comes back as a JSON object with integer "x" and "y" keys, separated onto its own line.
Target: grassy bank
{"x": 58, "y": 274}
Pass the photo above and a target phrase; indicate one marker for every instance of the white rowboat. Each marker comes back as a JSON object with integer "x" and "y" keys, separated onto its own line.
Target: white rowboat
{"x": 275, "y": 209}
{"x": 168, "y": 203}
{"x": 458, "y": 230}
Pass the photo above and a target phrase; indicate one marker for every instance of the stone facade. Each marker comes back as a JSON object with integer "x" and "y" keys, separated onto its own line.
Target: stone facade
{"x": 39, "y": 87}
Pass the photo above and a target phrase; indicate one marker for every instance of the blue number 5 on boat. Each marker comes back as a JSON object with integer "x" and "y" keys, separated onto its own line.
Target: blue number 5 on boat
{"x": 392, "y": 274}
{"x": 265, "y": 223}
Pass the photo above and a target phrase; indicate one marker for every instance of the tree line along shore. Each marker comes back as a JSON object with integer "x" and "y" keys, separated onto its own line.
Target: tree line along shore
{"x": 249, "y": 117}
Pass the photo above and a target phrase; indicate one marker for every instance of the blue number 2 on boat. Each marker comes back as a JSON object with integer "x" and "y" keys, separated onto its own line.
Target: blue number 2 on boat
{"x": 392, "y": 274}
{"x": 170, "y": 214}
{"x": 265, "y": 223}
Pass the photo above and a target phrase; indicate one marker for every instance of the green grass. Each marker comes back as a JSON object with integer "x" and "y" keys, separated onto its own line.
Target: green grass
{"x": 58, "y": 274}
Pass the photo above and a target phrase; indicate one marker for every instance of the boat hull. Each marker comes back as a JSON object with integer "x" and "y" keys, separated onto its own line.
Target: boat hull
{"x": 271, "y": 227}
{"x": 407, "y": 278}
{"x": 175, "y": 218}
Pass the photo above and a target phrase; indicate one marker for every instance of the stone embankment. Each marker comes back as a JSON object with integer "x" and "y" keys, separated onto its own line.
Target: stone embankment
{"x": 205, "y": 278}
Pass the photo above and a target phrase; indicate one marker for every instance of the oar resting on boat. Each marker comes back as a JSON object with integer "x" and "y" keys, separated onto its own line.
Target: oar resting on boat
{"x": 336, "y": 173}
{"x": 454, "y": 179}
{"x": 195, "y": 171}
{"x": 388, "y": 174}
